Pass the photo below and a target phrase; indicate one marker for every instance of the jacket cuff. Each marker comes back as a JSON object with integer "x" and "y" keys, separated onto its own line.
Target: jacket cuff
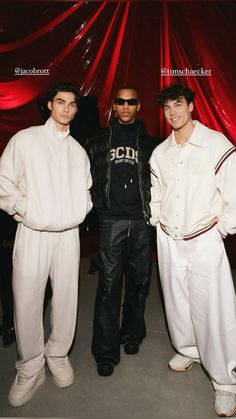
{"x": 154, "y": 221}
{"x": 20, "y": 206}
{"x": 221, "y": 230}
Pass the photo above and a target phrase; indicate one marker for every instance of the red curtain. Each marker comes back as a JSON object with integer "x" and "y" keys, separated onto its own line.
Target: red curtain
{"x": 102, "y": 45}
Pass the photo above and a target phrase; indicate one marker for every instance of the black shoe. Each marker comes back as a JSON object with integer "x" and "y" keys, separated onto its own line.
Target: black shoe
{"x": 8, "y": 337}
{"x": 105, "y": 369}
{"x": 131, "y": 348}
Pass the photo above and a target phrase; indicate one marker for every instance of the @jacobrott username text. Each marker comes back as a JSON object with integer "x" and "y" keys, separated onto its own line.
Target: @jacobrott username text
{"x": 32, "y": 71}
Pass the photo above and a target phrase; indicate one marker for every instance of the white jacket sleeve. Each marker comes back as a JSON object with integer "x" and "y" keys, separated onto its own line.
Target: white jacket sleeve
{"x": 89, "y": 183}
{"x": 226, "y": 185}
{"x": 155, "y": 192}
{"x": 12, "y": 198}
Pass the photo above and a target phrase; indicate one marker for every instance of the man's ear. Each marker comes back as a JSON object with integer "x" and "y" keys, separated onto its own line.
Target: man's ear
{"x": 191, "y": 106}
{"x": 50, "y": 105}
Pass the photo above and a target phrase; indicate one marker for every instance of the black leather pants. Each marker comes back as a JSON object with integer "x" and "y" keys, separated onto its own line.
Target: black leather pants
{"x": 125, "y": 248}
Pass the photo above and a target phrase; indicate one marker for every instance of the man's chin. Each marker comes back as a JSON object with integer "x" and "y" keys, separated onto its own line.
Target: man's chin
{"x": 65, "y": 121}
{"x": 176, "y": 128}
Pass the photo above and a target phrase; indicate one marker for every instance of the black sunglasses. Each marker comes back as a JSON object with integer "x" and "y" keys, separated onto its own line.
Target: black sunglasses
{"x": 120, "y": 101}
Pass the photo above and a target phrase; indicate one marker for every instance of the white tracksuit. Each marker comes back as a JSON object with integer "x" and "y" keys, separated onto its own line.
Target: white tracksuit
{"x": 193, "y": 205}
{"x": 44, "y": 183}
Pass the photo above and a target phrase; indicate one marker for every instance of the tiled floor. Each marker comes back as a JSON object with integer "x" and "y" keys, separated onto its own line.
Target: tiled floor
{"x": 141, "y": 387}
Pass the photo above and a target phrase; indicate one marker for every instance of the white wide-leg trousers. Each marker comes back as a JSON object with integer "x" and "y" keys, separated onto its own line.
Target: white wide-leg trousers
{"x": 36, "y": 256}
{"x": 200, "y": 302}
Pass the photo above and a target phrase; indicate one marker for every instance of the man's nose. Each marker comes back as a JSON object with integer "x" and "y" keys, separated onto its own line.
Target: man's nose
{"x": 66, "y": 108}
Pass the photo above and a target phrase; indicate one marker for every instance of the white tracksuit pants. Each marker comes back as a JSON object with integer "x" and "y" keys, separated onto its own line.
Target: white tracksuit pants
{"x": 200, "y": 302}
{"x": 36, "y": 256}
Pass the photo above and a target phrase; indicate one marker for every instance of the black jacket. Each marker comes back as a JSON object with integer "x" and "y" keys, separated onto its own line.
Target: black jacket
{"x": 98, "y": 147}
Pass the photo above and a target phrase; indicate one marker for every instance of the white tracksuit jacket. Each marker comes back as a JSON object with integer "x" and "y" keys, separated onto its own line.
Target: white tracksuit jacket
{"x": 45, "y": 179}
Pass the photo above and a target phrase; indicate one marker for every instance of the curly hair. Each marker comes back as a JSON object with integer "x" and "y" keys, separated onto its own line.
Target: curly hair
{"x": 173, "y": 92}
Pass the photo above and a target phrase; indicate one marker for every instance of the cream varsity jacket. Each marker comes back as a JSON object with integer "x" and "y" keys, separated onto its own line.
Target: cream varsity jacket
{"x": 193, "y": 185}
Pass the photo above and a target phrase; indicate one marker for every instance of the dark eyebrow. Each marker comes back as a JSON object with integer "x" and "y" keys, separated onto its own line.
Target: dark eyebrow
{"x": 63, "y": 100}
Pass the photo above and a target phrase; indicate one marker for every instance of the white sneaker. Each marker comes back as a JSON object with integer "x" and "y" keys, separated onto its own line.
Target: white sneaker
{"x": 24, "y": 387}
{"x": 61, "y": 370}
{"x": 181, "y": 363}
{"x": 225, "y": 403}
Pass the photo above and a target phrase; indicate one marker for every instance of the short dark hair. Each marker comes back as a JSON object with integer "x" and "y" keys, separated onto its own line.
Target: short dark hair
{"x": 173, "y": 92}
{"x": 63, "y": 87}
{"x": 126, "y": 87}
